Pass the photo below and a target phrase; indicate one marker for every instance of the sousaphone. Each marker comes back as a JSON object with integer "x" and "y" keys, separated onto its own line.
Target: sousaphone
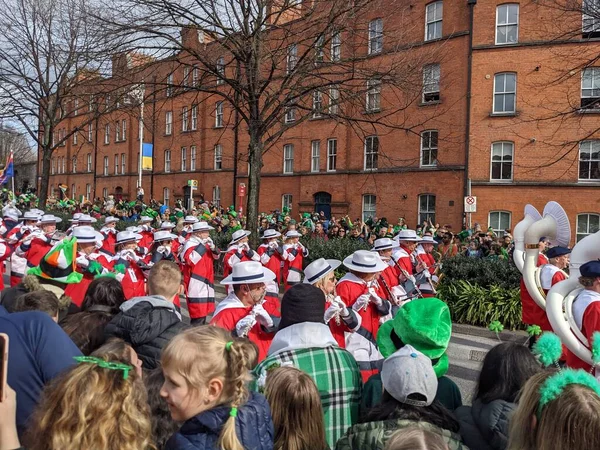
{"x": 531, "y": 215}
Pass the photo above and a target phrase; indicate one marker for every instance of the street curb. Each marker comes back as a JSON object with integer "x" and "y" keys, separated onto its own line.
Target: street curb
{"x": 505, "y": 336}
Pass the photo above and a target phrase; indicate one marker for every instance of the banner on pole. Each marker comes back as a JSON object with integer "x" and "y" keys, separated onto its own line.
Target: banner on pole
{"x": 147, "y": 151}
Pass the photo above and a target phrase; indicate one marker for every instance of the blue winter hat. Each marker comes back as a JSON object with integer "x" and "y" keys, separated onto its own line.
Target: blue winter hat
{"x": 557, "y": 251}
{"x": 590, "y": 269}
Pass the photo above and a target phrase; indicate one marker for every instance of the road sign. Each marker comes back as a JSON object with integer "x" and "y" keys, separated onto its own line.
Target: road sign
{"x": 193, "y": 183}
{"x": 242, "y": 190}
{"x": 470, "y": 204}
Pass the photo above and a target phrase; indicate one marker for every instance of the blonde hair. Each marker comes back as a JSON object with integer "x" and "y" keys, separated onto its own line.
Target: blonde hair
{"x": 296, "y": 410}
{"x": 199, "y": 355}
{"x": 164, "y": 279}
{"x": 93, "y": 407}
{"x": 415, "y": 438}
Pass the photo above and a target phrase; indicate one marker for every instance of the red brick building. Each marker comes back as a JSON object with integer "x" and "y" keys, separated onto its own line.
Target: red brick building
{"x": 511, "y": 77}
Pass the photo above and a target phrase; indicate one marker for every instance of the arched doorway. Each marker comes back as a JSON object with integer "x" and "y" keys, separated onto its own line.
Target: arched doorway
{"x": 118, "y": 193}
{"x": 323, "y": 203}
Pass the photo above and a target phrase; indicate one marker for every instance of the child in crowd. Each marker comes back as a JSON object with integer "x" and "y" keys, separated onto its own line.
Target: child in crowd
{"x": 414, "y": 438}
{"x": 206, "y": 374}
{"x": 296, "y": 409}
{"x": 44, "y": 301}
{"x": 163, "y": 426}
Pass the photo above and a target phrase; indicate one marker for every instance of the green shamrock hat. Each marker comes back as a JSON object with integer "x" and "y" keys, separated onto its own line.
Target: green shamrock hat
{"x": 426, "y": 325}
{"x": 59, "y": 263}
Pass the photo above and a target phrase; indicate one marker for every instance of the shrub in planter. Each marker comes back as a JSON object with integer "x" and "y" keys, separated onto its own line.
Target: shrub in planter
{"x": 331, "y": 249}
{"x": 481, "y": 272}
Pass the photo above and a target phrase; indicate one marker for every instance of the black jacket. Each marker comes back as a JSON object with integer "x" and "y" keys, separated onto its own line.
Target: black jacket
{"x": 147, "y": 324}
{"x": 485, "y": 426}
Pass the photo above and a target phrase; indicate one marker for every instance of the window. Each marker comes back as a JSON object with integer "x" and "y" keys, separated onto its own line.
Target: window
{"x": 219, "y": 115}
{"x": 90, "y": 131}
{"x": 105, "y": 193}
{"x": 426, "y": 208}
{"x": 589, "y": 160}
{"x": 373, "y": 95}
{"x": 183, "y": 159}
{"x": 74, "y": 164}
{"x": 89, "y": 162}
{"x": 429, "y": 148}
{"x": 116, "y": 164}
{"x": 63, "y": 137}
{"x": 288, "y": 158}
{"x": 336, "y": 46}
{"x": 587, "y": 224}
{"x": 499, "y": 221}
{"x": 319, "y": 52}
{"x": 292, "y": 58}
{"x": 107, "y": 101}
{"x": 184, "y": 119}
{"x": 123, "y": 165}
{"x": 371, "y": 152}
{"x": 193, "y": 157}
{"x": 186, "y": 77}
{"x": 168, "y": 122}
{"x": 591, "y": 18}
{"x": 315, "y": 156}
{"x": 107, "y": 133}
{"x": 331, "y": 155}
{"x": 52, "y": 166}
{"x": 375, "y": 36}
{"x": 286, "y": 201}
{"x": 117, "y": 131}
{"x": 167, "y": 160}
{"x": 431, "y": 83}
{"x": 590, "y": 88}
{"x": 317, "y": 107}
{"x": 73, "y": 191}
{"x": 194, "y": 117}
{"x": 334, "y": 100}
{"x": 218, "y": 157}
{"x": 105, "y": 171}
{"x": 217, "y": 196}
{"x": 507, "y": 24}
{"x": 166, "y": 196}
{"x": 505, "y": 91}
{"x": 88, "y": 191}
{"x": 64, "y": 164}
{"x": 195, "y": 76}
{"x": 169, "y": 90}
{"x": 124, "y": 129}
{"x": 290, "y": 114}
{"x": 502, "y": 161}
{"x": 220, "y": 71}
{"x": 433, "y": 21}
{"x": 76, "y": 107}
{"x": 368, "y": 206}
{"x": 91, "y": 103}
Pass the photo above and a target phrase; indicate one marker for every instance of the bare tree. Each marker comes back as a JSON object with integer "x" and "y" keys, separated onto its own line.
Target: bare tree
{"x": 15, "y": 142}
{"x": 278, "y": 63}
{"x": 50, "y": 52}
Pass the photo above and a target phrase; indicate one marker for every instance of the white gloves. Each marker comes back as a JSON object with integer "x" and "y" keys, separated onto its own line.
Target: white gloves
{"x": 164, "y": 250}
{"x": 244, "y": 246}
{"x": 244, "y": 325}
{"x": 273, "y": 244}
{"x": 82, "y": 261}
{"x": 362, "y": 302}
{"x": 337, "y": 308}
{"x": 262, "y": 316}
{"x": 374, "y": 297}
{"x": 210, "y": 244}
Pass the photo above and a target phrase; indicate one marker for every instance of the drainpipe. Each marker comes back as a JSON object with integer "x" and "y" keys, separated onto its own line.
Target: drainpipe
{"x": 236, "y": 139}
{"x": 467, "y": 190}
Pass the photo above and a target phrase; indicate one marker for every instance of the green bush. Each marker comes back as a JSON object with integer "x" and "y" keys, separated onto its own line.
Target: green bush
{"x": 331, "y": 249}
{"x": 481, "y": 272}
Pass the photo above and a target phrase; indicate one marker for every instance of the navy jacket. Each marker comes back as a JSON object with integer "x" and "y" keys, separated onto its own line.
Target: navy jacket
{"x": 253, "y": 425}
{"x": 38, "y": 350}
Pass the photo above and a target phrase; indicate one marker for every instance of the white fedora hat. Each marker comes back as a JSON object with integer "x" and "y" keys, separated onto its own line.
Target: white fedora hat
{"x": 190, "y": 219}
{"x": 270, "y": 233}
{"x": 201, "y": 226}
{"x": 133, "y": 229}
{"x": 11, "y": 213}
{"x": 87, "y": 234}
{"x": 146, "y": 219}
{"x": 76, "y": 217}
{"x": 428, "y": 240}
{"x": 167, "y": 226}
{"x": 319, "y": 268}
{"x": 292, "y": 234}
{"x": 384, "y": 244}
{"x": 248, "y": 272}
{"x": 30, "y": 215}
{"x": 110, "y": 219}
{"x": 407, "y": 235}
{"x": 39, "y": 212}
{"x": 127, "y": 236}
{"x": 239, "y": 234}
{"x": 365, "y": 261}
{"x": 163, "y": 235}
{"x": 85, "y": 218}
{"x": 49, "y": 218}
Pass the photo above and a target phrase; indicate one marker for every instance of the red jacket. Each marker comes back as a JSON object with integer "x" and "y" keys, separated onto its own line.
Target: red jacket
{"x": 292, "y": 267}
{"x": 77, "y": 291}
{"x": 532, "y": 313}
{"x": 199, "y": 286}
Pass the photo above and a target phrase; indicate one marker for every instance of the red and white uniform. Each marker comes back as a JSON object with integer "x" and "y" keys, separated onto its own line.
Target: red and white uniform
{"x": 229, "y": 312}
{"x": 133, "y": 280}
{"x": 198, "y": 258}
{"x": 427, "y": 258}
{"x": 271, "y": 258}
{"x": 550, "y": 275}
{"x": 586, "y": 312}
{"x": 402, "y": 256}
{"x": 293, "y": 256}
{"x": 235, "y": 254}
{"x": 147, "y": 237}
{"x": 5, "y": 252}
{"x": 77, "y": 291}
{"x": 34, "y": 248}
{"x": 362, "y": 343}
{"x": 532, "y": 313}
{"x": 110, "y": 240}
{"x": 18, "y": 263}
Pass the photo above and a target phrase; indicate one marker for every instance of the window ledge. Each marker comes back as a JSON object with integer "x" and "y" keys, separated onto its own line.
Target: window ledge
{"x": 590, "y": 182}
{"x": 218, "y": 127}
{"x": 500, "y": 181}
{"x": 435, "y": 102}
{"x": 428, "y": 166}
{"x": 321, "y": 117}
{"x": 504, "y": 114}
{"x": 588, "y": 111}
{"x": 371, "y": 111}
{"x": 506, "y": 44}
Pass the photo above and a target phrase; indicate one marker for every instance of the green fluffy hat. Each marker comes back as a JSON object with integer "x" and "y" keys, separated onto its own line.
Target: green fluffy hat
{"x": 426, "y": 325}
{"x": 59, "y": 263}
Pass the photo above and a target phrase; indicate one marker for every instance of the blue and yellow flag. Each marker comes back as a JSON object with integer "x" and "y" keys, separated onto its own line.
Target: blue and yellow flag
{"x": 147, "y": 156}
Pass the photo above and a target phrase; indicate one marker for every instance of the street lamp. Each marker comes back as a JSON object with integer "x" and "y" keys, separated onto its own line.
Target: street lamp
{"x": 138, "y": 94}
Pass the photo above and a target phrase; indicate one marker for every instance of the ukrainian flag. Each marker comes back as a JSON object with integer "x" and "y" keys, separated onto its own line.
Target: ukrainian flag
{"x": 147, "y": 156}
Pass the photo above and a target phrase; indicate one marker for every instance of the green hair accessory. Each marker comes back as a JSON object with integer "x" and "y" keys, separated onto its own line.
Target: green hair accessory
{"x": 496, "y": 326}
{"x": 120, "y": 268}
{"x": 596, "y": 348}
{"x": 228, "y": 345}
{"x": 233, "y": 412}
{"x": 549, "y": 348}
{"x": 95, "y": 268}
{"x": 554, "y": 386}
{"x": 105, "y": 364}
{"x": 534, "y": 330}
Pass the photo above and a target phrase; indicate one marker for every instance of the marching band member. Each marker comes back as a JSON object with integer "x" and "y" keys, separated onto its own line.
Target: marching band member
{"x": 239, "y": 250}
{"x": 424, "y": 255}
{"x": 74, "y": 222}
{"x": 109, "y": 232}
{"x": 293, "y": 255}
{"x": 35, "y": 246}
{"x": 126, "y": 264}
{"x": 18, "y": 264}
{"x": 162, "y": 247}
{"x": 89, "y": 262}
{"x": 532, "y": 314}
{"x": 147, "y": 233}
{"x": 409, "y": 271}
{"x": 242, "y": 311}
{"x": 357, "y": 289}
{"x": 10, "y": 219}
{"x": 188, "y": 221}
{"x": 198, "y": 256}
{"x": 553, "y": 272}
{"x": 5, "y": 252}
{"x": 390, "y": 287}
{"x": 270, "y": 252}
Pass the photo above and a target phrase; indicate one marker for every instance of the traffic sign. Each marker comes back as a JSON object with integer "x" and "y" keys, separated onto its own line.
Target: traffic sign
{"x": 193, "y": 183}
{"x": 470, "y": 204}
{"x": 242, "y": 190}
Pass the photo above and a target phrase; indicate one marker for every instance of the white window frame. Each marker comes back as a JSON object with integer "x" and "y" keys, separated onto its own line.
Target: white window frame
{"x": 336, "y": 46}
{"x": 368, "y": 153}
{"x": 334, "y": 101}
{"x": 217, "y": 196}
{"x": 105, "y": 166}
{"x": 290, "y": 114}
{"x": 195, "y": 76}
{"x": 503, "y": 93}
{"x": 218, "y": 157}
{"x": 332, "y": 154}
{"x": 288, "y": 158}
{"x": 427, "y": 212}
{"x": 579, "y": 235}
{"x": 286, "y": 201}
{"x": 590, "y": 19}
{"x": 105, "y": 193}
{"x": 506, "y": 25}
{"x": 219, "y": 115}
{"x": 194, "y": 122}
{"x": 117, "y": 131}
{"x": 107, "y": 133}
{"x": 501, "y": 213}
{"x": 75, "y": 133}
{"x": 431, "y": 83}
{"x": 376, "y": 36}
{"x": 319, "y": 49}
{"x": 117, "y": 164}
{"x": 317, "y": 105}
{"x": 75, "y": 107}
{"x": 52, "y": 166}
{"x": 166, "y": 196}
{"x": 169, "y": 89}
{"x": 123, "y": 164}
{"x": 292, "y": 58}
{"x": 89, "y": 162}
{"x": 88, "y": 191}
{"x": 220, "y": 71}
{"x": 124, "y": 130}
{"x": 433, "y": 21}
{"x": 186, "y": 77}
{"x": 429, "y": 149}
{"x": 192, "y": 158}
{"x": 90, "y": 132}
{"x": 183, "y": 159}
{"x": 591, "y": 161}
{"x": 167, "y": 161}
{"x": 74, "y": 164}
{"x": 373, "y": 99}
{"x": 369, "y": 206}
{"x": 73, "y": 191}
{"x": 506, "y": 147}
{"x": 168, "y": 123}
{"x": 595, "y": 86}
{"x": 315, "y": 157}
{"x": 185, "y": 120}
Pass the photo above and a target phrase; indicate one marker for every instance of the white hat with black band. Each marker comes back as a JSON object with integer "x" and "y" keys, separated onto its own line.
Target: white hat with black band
{"x": 365, "y": 261}
{"x": 319, "y": 268}
{"x": 248, "y": 272}
{"x": 85, "y": 234}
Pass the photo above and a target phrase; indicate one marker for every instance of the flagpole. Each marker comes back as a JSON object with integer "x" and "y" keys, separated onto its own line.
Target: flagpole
{"x": 13, "y": 177}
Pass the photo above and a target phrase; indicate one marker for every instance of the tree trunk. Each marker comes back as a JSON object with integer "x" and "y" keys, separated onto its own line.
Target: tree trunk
{"x": 255, "y": 152}
{"x": 45, "y": 161}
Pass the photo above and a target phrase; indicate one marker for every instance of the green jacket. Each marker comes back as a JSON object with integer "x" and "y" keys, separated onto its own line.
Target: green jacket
{"x": 374, "y": 435}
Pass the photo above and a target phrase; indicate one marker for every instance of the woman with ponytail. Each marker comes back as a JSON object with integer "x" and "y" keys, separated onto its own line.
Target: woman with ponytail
{"x": 206, "y": 374}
